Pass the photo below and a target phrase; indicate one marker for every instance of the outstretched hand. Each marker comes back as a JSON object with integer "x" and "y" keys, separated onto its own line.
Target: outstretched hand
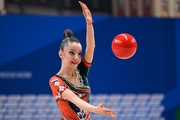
{"x": 86, "y": 13}
{"x": 105, "y": 111}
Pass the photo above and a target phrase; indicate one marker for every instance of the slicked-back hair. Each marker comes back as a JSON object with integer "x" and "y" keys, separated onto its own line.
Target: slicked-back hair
{"x": 68, "y": 38}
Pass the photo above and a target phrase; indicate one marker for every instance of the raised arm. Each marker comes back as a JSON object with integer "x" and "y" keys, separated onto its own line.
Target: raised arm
{"x": 90, "y": 40}
{"x": 100, "y": 109}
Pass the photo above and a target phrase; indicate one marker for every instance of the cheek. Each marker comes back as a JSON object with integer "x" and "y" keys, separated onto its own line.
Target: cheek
{"x": 69, "y": 57}
{"x": 79, "y": 59}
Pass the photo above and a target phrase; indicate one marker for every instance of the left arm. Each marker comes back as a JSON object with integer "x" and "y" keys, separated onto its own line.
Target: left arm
{"x": 90, "y": 40}
{"x": 99, "y": 109}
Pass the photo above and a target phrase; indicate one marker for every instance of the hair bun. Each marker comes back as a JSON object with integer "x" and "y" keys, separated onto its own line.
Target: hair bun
{"x": 68, "y": 33}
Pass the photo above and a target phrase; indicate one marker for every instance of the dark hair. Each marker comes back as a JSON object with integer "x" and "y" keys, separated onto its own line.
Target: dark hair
{"x": 68, "y": 37}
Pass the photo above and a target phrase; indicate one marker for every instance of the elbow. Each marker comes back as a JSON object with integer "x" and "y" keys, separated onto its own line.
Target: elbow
{"x": 92, "y": 47}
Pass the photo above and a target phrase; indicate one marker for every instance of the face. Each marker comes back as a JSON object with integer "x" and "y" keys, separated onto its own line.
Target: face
{"x": 71, "y": 55}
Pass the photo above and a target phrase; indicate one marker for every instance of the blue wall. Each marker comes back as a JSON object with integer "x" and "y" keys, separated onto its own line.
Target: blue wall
{"x": 31, "y": 43}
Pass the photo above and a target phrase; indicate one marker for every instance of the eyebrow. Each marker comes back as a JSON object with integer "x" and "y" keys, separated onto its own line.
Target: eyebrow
{"x": 75, "y": 50}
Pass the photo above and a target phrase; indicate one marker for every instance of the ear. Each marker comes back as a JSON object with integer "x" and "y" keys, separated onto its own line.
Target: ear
{"x": 60, "y": 54}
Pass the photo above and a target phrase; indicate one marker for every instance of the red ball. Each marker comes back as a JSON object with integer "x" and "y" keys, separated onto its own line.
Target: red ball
{"x": 124, "y": 46}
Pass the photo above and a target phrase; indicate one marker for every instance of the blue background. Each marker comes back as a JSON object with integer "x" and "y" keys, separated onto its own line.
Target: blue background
{"x": 31, "y": 43}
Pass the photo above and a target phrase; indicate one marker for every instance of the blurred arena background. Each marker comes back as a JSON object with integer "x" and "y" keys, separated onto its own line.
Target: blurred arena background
{"x": 145, "y": 87}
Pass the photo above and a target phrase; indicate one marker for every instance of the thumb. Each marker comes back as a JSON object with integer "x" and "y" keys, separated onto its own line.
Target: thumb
{"x": 101, "y": 104}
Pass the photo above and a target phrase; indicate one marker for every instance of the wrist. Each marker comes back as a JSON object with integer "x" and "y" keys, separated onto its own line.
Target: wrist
{"x": 94, "y": 109}
{"x": 90, "y": 23}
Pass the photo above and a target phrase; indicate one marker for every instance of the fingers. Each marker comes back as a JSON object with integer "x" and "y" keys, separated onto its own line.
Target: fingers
{"x": 106, "y": 111}
{"x": 86, "y": 12}
{"x": 83, "y": 5}
{"x": 111, "y": 114}
{"x": 109, "y": 110}
{"x": 84, "y": 8}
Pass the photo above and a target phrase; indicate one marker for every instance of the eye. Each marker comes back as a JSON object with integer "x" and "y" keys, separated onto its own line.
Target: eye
{"x": 80, "y": 53}
{"x": 71, "y": 52}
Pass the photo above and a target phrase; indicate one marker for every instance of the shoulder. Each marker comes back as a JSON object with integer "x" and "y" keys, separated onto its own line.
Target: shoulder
{"x": 56, "y": 81}
{"x": 57, "y": 86}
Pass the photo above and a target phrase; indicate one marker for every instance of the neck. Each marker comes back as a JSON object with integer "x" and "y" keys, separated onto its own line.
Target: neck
{"x": 67, "y": 73}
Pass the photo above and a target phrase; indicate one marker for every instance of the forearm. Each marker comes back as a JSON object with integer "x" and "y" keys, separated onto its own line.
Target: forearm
{"x": 90, "y": 43}
{"x": 90, "y": 40}
{"x": 84, "y": 105}
{"x": 70, "y": 96}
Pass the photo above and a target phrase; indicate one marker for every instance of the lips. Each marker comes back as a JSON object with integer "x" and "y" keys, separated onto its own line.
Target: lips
{"x": 74, "y": 63}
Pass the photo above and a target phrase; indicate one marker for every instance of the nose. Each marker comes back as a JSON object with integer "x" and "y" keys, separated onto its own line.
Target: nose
{"x": 76, "y": 56}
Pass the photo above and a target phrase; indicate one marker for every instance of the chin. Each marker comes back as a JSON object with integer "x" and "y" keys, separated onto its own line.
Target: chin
{"x": 74, "y": 65}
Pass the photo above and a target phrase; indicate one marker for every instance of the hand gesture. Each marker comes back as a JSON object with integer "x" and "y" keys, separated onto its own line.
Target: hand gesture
{"x": 86, "y": 13}
{"x": 105, "y": 111}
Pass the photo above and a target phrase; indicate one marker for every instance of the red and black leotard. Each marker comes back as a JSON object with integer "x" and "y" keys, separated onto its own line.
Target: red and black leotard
{"x": 58, "y": 84}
